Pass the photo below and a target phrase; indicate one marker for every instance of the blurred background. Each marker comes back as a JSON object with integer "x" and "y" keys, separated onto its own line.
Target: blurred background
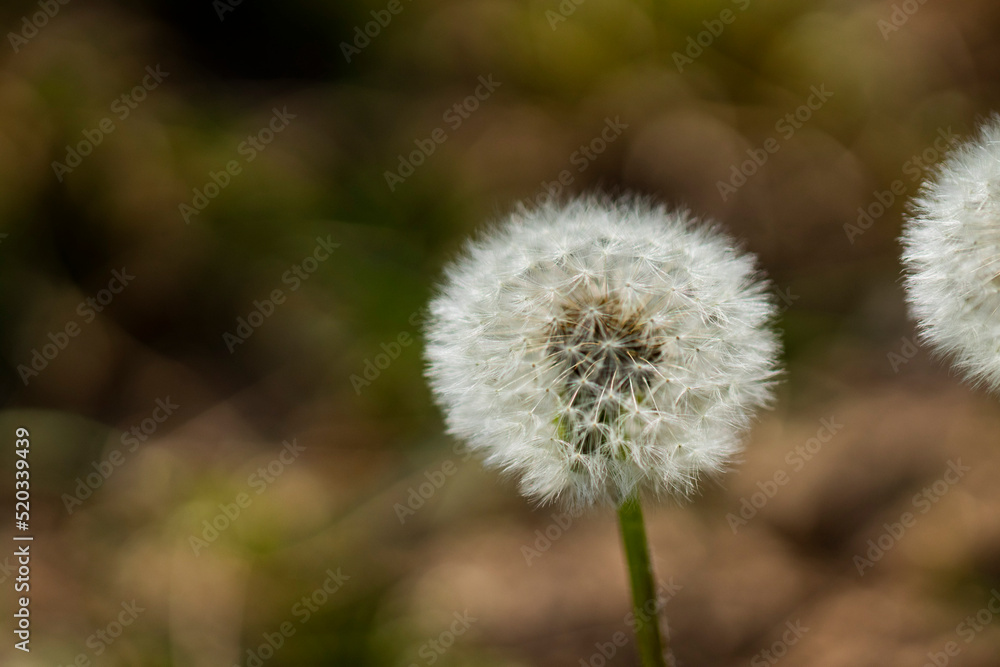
{"x": 220, "y": 224}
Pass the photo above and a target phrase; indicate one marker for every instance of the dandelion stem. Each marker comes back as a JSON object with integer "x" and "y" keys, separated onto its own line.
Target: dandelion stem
{"x": 644, "y": 604}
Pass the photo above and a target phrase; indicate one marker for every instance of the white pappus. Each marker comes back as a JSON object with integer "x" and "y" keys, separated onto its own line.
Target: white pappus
{"x": 601, "y": 349}
{"x": 951, "y": 256}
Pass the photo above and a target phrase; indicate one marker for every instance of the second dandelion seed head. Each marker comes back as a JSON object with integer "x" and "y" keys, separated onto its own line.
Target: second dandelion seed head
{"x": 952, "y": 257}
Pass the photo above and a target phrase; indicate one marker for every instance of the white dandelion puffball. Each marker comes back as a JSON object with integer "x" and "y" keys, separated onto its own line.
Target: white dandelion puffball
{"x": 596, "y": 350}
{"x": 951, "y": 254}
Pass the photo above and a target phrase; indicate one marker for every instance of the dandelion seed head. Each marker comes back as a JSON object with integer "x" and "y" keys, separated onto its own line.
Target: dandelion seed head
{"x": 601, "y": 349}
{"x": 951, "y": 255}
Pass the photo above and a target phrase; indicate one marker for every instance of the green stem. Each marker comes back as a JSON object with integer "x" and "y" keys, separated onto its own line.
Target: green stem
{"x": 644, "y": 604}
